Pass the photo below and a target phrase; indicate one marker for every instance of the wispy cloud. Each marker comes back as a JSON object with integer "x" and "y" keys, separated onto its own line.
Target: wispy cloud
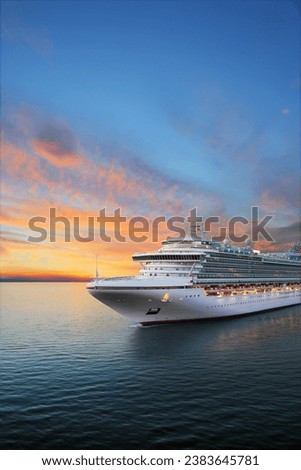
{"x": 284, "y": 236}
{"x": 253, "y": 157}
{"x": 16, "y": 28}
{"x": 278, "y": 185}
{"x": 296, "y": 83}
{"x": 56, "y": 156}
{"x": 55, "y": 153}
{"x": 222, "y": 127}
{"x": 45, "y": 164}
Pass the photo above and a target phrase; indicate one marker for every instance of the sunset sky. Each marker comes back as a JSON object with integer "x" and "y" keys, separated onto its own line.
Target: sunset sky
{"x": 153, "y": 107}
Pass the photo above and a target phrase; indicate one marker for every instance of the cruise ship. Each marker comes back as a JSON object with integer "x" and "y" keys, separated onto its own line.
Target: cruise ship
{"x": 197, "y": 278}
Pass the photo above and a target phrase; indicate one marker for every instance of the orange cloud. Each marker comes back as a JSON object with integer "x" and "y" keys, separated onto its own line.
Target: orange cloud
{"x": 272, "y": 203}
{"x": 44, "y": 169}
{"x": 24, "y": 167}
{"x": 55, "y": 153}
{"x": 115, "y": 181}
{"x": 15, "y": 160}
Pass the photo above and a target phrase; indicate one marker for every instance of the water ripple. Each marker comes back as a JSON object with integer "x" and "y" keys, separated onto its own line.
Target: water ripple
{"x": 75, "y": 375}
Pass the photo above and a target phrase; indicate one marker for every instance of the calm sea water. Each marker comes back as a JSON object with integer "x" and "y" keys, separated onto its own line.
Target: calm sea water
{"x": 75, "y": 375}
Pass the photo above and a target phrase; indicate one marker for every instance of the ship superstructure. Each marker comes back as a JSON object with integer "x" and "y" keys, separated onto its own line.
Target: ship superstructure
{"x": 196, "y": 278}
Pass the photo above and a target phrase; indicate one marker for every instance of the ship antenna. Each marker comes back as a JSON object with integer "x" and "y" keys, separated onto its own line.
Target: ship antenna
{"x": 200, "y": 229}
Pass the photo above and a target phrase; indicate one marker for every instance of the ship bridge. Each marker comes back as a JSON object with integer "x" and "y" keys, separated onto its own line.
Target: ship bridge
{"x": 176, "y": 258}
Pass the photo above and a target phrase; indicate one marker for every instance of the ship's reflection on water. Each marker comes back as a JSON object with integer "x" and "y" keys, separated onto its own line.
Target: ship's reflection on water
{"x": 76, "y": 375}
{"x": 234, "y": 333}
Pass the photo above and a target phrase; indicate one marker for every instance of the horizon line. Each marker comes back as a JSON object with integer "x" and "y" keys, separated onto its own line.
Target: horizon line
{"x": 44, "y": 279}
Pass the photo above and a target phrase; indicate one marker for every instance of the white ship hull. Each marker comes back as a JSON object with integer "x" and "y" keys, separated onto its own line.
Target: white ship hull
{"x": 147, "y": 305}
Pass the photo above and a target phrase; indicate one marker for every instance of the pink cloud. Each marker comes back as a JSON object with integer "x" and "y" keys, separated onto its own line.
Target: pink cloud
{"x": 44, "y": 157}
{"x": 271, "y": 202}
{"x": 55, "y": 153}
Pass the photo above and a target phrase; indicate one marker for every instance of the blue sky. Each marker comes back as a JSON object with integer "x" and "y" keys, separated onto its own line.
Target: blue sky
{"x": 196, "y": 100}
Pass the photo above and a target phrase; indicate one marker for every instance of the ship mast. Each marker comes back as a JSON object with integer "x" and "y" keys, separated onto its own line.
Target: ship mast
{"x": 96, "y": 268}
{"x": 198, "y": 231}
